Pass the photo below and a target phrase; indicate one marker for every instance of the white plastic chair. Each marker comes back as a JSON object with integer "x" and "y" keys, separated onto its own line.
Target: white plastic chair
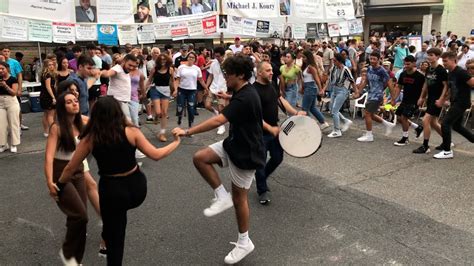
{"x": 359, "y": 105}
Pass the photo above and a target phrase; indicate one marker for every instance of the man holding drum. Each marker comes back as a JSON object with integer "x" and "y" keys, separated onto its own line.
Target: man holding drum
{"x": 270, "y": 99}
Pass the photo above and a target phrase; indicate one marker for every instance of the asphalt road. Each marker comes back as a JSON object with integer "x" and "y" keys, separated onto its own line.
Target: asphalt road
{"x": 351, "y": 203}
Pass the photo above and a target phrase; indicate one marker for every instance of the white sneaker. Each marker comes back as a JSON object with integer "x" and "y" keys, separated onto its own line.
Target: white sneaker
{"x": 3, "y": 148}
{"x": 444, "y": 155}
{"x": 219, "y": 206}
{"x": 13, "y": 149}
{"x": 346, "y": 126}
{"x": 45, "y": 135}
{"x": 239, "y": 252}
{"x": 67, "y": 262}
{"x": 335, "y": 134}
{"x": 324, "y": 125}
{"x": 23, "y": 127}
{"x": 389, "y": 129}
{"x": 366, "y": 138}
{"x": 139, "y": 154}
{"x": 221, "y": 130}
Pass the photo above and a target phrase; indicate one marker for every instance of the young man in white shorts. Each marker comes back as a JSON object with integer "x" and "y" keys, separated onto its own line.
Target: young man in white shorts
{"x": 242, "y": 151}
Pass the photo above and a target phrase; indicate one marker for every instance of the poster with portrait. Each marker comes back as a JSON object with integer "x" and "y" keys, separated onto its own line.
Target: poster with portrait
{"x": 85, "y": 11}
{"x": 61, "y": 11}
{"x": 249, "y": 27}
{"x": 355, "y": 26}
{"x": 263, "y": 27}
{"x": 311, "y": 30}
{"x": 107, "y": 34}
{"x": 339, "y": 9}
{"x": 115, "y": 11}
{"x": 235, "y": 25}
{"x": 333, "y": 29}
{"x": 223, "y": 23}
{"x": 276, "y": 30}
{"x": 86, "y": 32}
{"x": 195, "y": 27}
{"x": 251, "y": 8}
{"x": 172, "y": 10}
{"x": 285, "y": 7}
{"x": 322, "y": 30}
{"x": 143, "y": 11}
{"x": 313, "y": 9}
{"x": 14, "y": 28}
{"x": 64, "y": 32}
{"x": 145, "y": 33}
{"x": 288, "y": 31}
{"x": 209, "y": 25}
{"x": 358, "y": 8}
{"x": 127, "y": 34}
{"x": 40, "y": 31}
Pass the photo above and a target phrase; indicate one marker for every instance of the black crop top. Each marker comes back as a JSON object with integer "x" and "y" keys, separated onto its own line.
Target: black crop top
{"x": 162, "y": 79}
{"x": 115, "y": 159}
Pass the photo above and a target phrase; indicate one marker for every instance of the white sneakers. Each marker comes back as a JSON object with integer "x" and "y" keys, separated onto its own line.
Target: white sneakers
{"x": 324, "y": 125}
{"x": 219, "y": 205}
{"x": 346, "y": 125}
{"x": 239, "y": 252}
{"x": 221, "y": 130}
{"x": 389, "y": 128}
{"x": 444, "y": 155}
{"x": 12, "y": 149}
{"x": 366, "y": 138}
{"x": 335, "y": 134}
{"x": 67, "y": 262}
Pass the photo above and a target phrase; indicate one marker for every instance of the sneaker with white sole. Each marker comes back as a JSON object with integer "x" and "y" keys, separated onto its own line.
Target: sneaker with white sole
{"x": 366, "y": 138}
{"x": 324, "y": 125}
{"x": 422, "y": 150}
{"x": 444, "y": 155}
{"x": 335, "y": 134}
{"x": 402, "y": 142}
{"x": 239, "y": 252}
{"x": 219, "y": 206}
{"x": 13, "y": 149}
{"x": 221, "y": 130}
{"x": 389, "y": 128}
{"x": 3, "y": 148}
{"x": 346, "y": 125}
{"x": 67, "y": 262}
{"x": 23, "y": 127}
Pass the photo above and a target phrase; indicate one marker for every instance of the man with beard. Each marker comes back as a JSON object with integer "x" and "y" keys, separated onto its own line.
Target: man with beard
{"x": 143, "y": 14}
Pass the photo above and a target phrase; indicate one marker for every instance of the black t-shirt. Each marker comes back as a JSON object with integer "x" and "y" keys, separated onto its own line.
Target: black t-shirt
{"x": 434, "y": 79}
{"x": 458, "y": 87}
{"x": 178, "y": 60}
{"x": 412, "y": 86}
{"x": 269, "y": 100}
{"x": 244, "y": 145}
{"x": 10, "y": 81}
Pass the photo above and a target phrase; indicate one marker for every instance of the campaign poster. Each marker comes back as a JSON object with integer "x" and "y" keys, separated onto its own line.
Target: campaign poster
{"x": 57, "y": 10}
{"x": 178, "y": 29}
{"x": 311, "y": 30}
{"x": 333, "y": 29}
{"x": 339, "y": 9}
{"x": 355, "y": 26}
{"x": 285, "y": 7}
{"x": 115, "y": 11}
{"x": 86, "y": 11}
{"x": 235, "y": 25}
{"x": 64, "y": 32}
{"x": 14, "y": 28}
{"x": 249, "y": 27}
{"x": 143, "y": 11}
{"x": 127, "y": 34}
{"x": 223, "y": 23}
{"x": 276, "y": 30}
{"x": 107, "y": 34}
{"x": 209, "y": 25}
{"x": 313, "y": 9}
{"x": 251, "y": 8}
{"x": 162, "y": 30}
{"x": 343, "y": 28}
{"x": 263, "y": 27}
{"x": 145, "y": 33}
{"x": 86, "y": 32}
{"x": 173, "y": 10}
{"x": 288, "y": 31}
{"x": 40, "y": 31}
{"x": 195, "y": 27}
{"x": 322, "y": 30}
{"x": 299, "y": 31}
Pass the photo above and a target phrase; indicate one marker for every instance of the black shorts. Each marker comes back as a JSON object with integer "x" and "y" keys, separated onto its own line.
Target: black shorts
{"x": 199, "y": 87}
{"x": 406, "y": 110}
{"x": 94, "y": 92}
{"x": 372, "y": 106}
{"x": 432, "y": 109}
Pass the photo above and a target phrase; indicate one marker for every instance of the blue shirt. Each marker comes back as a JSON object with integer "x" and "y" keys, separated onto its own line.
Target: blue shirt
{"x": 400, "y": 54}
{"x": 15, "y": 67}
{"x": 377, "y": 78}
{"x": 83, "y": 92}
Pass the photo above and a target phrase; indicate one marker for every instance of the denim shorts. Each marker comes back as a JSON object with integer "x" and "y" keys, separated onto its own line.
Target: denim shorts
{"x": 155, "y": 94}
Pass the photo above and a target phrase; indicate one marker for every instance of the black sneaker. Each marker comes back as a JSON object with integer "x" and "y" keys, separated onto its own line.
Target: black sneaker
{"x": 264, "y": 198}
{"x": 418, "y": 131}
{"x": 150, "y": 120}
{"x": 102, "y": 252}
{"x": 179, "y": 120}
{"x": 422, "y": 150}
{"x": 402, "y": 142}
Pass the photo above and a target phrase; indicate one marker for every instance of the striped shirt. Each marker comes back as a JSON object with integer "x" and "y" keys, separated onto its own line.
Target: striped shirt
{"x": 340, "y": 77}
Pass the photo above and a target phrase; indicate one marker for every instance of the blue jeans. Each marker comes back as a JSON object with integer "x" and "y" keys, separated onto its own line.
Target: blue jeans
{"x": 189, "y": 97}
{"x": 134, "y": 109}
{"x": 338, "y": 97}
{"x": 272, "y": 145}
{"x": 309, "y": 101}
{"x": 291, "y": 93}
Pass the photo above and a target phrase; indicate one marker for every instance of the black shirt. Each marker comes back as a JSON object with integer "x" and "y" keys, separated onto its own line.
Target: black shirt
{"x": 459, "y": 89}
{"x": 244, "y": 145}
{"x": 10, "y": 81}
{"x": 434, "y": 80}
{"x": 269, "y": 100}
{"x": 178, "y": 60}
{"x": 412, "y": 86}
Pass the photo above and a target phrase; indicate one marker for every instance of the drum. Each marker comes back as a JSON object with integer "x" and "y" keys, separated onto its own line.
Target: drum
{"x": 300, "y": 136}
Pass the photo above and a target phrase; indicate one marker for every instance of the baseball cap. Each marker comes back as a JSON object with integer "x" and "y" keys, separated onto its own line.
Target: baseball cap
{"x": 237, "y": 38}
{"x": 184, "y": 47}
{"x": 386, "y": 63}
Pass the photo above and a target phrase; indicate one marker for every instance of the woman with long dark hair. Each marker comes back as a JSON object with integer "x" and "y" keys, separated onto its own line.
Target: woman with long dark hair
{"x": 72, "y": 197}
{"x": 311, "y": 88}
{"x": 63, "y": 71}
{"x": 112, "y": 140}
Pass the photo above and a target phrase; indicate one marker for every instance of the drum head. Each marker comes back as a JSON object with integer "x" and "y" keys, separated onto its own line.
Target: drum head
{"x": 300, "y": 136}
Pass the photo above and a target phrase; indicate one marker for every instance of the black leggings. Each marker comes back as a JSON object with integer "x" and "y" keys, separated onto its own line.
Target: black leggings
{"x": 453, "y": 119}
{"x": 117, "y": 195}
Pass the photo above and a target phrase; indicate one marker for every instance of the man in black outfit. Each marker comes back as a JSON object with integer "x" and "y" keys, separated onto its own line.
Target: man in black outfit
{"x": 242, "y": 151}
{"x": 270, "y": 99}
{"x": 460, "y": 84}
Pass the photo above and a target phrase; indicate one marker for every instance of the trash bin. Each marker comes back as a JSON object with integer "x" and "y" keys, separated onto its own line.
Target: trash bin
{"x": 35, "y": 102}
{"x": 25, "y": 104}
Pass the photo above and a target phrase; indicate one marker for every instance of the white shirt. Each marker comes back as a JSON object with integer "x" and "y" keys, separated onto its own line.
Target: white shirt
{"x": 236, "y": 49}
{"x": 464, "y": 58}
{"x": 120, "y": 85}
{"x": 188, "y": 76}
{"x": 218, "y": 81}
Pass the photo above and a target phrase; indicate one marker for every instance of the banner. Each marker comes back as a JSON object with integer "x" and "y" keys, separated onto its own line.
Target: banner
{"x": 263, "y": 27}
{"x": 146, "y": 33}
{"x": 86, "y": 32}
{"x": 40, "y": 31}
{"x": 251, "y": 8}
{"x": 322, "y": 30}
{"x": 14, "y": 28}
{"x": 235, "y": 25}
{"x": 288, "y": 31}
{"x": 299, "y": 31}
{"x": 64, "y": 32}
{"x": 179, "y": 29}
{"x": 209, "y": 25}
{"x": 249, "y": 27}
{"x": 127, "y": 34}
{"x": 107, "y": 34}
{"x": 311, "y": 30}
{"x": 343, "y": 28}
{"x": 195, "y": 27}
{"x": 313, "y": 9}
{"x": 115, "y": 11}
{"x": 333, "y": 29}
{"x": 355, "y": 26}
{"x": 172, "y": 10}
{"x": 339, "y": 9}
{"x": 86, "y": 11}
{"x": 42, "y": 9}
{"x": 162, "y": 30}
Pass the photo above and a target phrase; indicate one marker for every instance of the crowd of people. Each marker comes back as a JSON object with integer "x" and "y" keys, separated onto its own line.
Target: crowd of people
{"x": 92, "y": 100}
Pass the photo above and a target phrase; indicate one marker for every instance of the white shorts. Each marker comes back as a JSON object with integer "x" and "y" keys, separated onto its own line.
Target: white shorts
{"x": 125, "y": 110}
{"x": 239, "y": 177}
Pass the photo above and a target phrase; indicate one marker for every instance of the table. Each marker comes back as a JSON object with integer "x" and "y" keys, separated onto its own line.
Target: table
{"x": 30, "y": 86}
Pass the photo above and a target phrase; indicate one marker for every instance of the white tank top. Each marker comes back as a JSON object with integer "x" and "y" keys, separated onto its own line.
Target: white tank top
{"x": 64, "y": 155}
{"x": 307, "y": 77}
